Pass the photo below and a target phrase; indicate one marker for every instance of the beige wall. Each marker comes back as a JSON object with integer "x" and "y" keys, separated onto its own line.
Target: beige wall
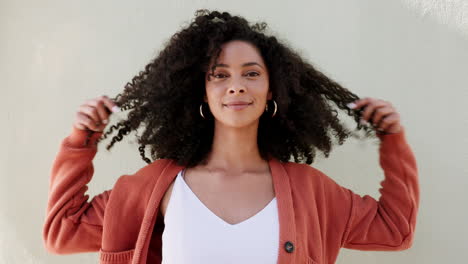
{"x": 56, "y": 54}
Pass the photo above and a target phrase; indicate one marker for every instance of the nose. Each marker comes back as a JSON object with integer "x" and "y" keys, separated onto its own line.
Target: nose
{"x": 233, "y": 91}
{"x": 236, "y": 86}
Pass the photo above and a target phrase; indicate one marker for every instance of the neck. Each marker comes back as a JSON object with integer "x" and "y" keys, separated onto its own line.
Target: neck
{"x": 236, "y": 150}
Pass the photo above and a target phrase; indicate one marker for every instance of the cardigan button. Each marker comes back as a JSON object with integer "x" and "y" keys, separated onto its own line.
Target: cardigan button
{"x": 289, "y": 246}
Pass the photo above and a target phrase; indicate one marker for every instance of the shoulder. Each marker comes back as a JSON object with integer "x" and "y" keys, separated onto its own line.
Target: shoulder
{"x": 304, "y": 175}
{"x": 143, "y": 179}
{"x": 131, "y": 192}
{"x": 301, "y": 171}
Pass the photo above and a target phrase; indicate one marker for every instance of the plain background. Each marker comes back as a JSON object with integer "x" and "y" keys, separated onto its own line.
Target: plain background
{"x": 54, "y": 55}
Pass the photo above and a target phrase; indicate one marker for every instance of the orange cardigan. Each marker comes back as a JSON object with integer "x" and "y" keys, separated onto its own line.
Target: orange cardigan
{"x": 317, "y": 216}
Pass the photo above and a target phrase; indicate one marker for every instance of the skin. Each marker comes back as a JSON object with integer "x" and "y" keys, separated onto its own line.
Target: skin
{"x": 233, "y": 81}
{"x": 94, "y": 114}
{"x": 380, "y": 113}
{"x": 235, "y": 183}
{"x": 234, "y": 176}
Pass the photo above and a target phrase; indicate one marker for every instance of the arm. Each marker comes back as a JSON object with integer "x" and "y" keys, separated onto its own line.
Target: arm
{"x": 73, "y": 224}
{"x": 389, "y": 223}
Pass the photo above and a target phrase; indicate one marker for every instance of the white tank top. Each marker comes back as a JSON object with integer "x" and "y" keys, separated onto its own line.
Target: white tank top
{"x": 194, "y": 234}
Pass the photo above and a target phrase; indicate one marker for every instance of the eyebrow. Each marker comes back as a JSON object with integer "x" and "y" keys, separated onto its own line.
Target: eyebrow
{"x": 243, "y": 65}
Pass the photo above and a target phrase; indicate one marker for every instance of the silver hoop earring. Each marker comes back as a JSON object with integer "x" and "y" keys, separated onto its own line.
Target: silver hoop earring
{"x": 276, "y": 108}
{"x": 201, "y": 112}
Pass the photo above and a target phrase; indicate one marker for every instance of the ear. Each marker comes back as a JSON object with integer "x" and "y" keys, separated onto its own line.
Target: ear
{"x": 205, "y": 99}
{"x": 270, "y": 95}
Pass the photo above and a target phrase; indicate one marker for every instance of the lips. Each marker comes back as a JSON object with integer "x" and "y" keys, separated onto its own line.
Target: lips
{"x": 237, "y": 103}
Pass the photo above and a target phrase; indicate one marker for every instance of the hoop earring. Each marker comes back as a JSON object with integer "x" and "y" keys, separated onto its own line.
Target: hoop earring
{"x": 276, "y": 108}
{"x": 201, "y": 112}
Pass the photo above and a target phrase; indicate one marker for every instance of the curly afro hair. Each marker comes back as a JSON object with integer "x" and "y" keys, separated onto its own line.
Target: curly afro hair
{"x": 165, "y": 97}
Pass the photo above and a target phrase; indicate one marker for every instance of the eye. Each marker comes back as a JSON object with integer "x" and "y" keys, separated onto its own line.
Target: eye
{"x": 219, "y": 75}
{"x": 254, "y": 74}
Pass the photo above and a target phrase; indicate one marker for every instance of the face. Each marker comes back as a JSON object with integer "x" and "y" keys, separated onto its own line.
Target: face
{"x": 240, "y": 75}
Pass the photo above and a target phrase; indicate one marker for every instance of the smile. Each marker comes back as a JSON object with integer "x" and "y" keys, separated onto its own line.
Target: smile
{"x": 237, "y": 106}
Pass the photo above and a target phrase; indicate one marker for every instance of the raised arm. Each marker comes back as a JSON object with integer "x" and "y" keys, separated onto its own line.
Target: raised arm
{"x": 389, "y": 223}
{"x": 73, "y": 224}
{"x": 386, "y": 224}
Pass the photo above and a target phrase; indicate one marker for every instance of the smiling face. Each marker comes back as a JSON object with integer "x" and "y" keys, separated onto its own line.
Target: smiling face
{"x": 240, "y": 77}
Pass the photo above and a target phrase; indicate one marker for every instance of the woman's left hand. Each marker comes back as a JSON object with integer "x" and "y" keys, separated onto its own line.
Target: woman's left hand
{"x": 381, "y": 114}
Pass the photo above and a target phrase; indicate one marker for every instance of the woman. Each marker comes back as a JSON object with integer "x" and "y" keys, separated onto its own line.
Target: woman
{"x": 224, "y": 107}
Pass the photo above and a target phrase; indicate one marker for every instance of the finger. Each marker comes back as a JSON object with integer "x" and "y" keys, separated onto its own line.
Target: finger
{"x": 80, "y": 126}
{"x": 370, "y": 108}
{"x": 103, "y": 114}
{"x": 91, "y": 112}
{"x": 86, "y": 121}
{"x": 380, "y": 113}
{"x": 389, "y": 121}
{"x": 110, "y": 105}
{"x": 359, "y": 103}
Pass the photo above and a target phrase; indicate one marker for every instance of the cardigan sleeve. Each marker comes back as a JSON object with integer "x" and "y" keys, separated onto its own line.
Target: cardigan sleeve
{"x": 387, "y": 224}
{"x": 72, "y": 224}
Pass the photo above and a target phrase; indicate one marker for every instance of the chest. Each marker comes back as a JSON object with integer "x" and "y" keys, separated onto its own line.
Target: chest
{"x": 234, "y": 199}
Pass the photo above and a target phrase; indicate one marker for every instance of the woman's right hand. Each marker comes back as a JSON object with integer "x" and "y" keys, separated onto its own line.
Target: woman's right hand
{"x": 94, "y": 114}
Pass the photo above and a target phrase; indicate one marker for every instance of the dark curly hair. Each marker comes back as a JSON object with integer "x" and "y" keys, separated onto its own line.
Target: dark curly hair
{"x": 165, "y": 97}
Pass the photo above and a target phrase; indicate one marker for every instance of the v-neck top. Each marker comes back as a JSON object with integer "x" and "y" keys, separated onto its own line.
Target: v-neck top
{"x": 194, "y": 234}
